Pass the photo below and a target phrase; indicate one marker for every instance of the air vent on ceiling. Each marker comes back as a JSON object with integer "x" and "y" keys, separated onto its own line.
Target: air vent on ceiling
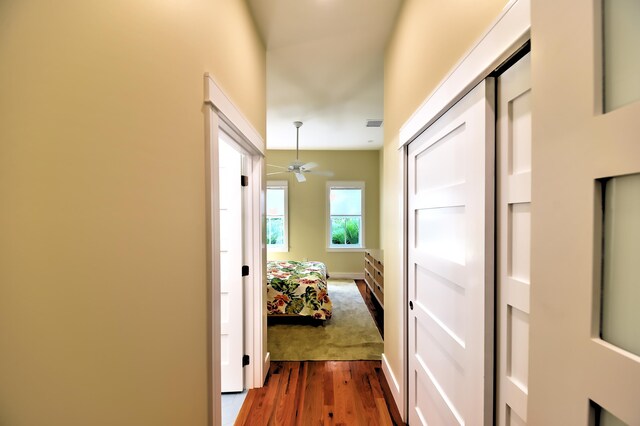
{"x": 374, "y": 123}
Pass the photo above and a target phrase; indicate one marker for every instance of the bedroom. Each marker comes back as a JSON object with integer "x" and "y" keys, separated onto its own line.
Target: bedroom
{"x": 307, "y": 206}
{"x": 300, "y": 228}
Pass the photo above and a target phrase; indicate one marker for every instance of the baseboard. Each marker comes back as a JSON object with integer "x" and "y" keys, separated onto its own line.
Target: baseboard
{"x": 394, "y": 386}
{"x": 265, "y": 367}
{"x": 347, "y": 275}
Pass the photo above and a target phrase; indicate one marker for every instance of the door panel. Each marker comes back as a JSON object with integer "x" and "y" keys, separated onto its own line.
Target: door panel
{"x": 231, "y": 292}
{"x": 513, "y": 263}
{"x": 450, "y": 184}
{"x": 577, "y": 146}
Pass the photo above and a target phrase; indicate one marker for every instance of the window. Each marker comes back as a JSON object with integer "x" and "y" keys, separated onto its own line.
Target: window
{"x": 620, "y": 294}
{"x": 277, "y": 221}
{"x": 346, "y": 215}
{"x": 621, "y": 34}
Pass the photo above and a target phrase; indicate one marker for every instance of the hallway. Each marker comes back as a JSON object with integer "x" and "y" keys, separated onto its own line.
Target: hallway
{"x": 321, "y": 393}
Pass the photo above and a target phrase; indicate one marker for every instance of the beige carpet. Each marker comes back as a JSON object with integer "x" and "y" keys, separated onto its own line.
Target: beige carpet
{"x": 350, "y": 334}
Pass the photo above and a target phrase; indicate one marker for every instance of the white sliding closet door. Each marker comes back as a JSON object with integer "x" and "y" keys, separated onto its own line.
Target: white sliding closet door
{"x": 513, "y": 241}
{"x": 450, "y": 265}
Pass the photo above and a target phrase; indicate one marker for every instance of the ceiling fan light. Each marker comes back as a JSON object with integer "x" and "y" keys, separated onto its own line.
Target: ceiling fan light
{"x": 299, "y": 168}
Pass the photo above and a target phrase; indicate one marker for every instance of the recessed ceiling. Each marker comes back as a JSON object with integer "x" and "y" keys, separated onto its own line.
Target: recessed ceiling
{"x": 324, "y": 68}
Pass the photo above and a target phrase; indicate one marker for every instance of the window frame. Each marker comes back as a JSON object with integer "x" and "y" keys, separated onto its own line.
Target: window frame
{"x": 345, "y": 185}
{"x": 284, "y": 247}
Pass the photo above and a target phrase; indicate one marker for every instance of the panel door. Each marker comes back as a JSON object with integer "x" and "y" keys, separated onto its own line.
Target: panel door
{"x": 450, "y": 265}
{"x": 231, "y": 292}
{"x": 585, "y": 222}
{"x": 513, "y": 260}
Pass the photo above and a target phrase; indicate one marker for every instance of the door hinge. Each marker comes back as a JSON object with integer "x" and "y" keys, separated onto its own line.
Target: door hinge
{"x": 245, "y": 360}
{"x": 244, "y": 180}
{"x": 245, "y": 270}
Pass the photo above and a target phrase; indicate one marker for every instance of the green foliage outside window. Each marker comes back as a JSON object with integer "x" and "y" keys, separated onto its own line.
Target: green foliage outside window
{"x": 345, "y": 230}
{"x": 275, "y": 231}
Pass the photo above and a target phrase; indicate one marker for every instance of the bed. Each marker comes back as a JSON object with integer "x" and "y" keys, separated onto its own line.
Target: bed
{"x": 298, "y": 289}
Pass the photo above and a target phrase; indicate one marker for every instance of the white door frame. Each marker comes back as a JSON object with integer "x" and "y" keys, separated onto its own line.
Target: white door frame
{"x": 221, "y": 113}
{"x": 503, "y": 38}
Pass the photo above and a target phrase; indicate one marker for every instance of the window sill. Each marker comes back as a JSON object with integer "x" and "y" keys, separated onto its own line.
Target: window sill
{"x": 343, "y": 249}
{"x": 277, "y": 250}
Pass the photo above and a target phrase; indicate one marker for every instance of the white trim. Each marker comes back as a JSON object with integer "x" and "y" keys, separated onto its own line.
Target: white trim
{"x": 346, "y": 249}
{"x": 346, "y": 275}
{"x": 394, "y": 386}
{"x": 259, "y": 288}
{"x": 359, "y": 184}
{"x": 266, "y": 364}
{"x": 402, "y": 401}
{"x": 215, "y": 96}
{"x": 212, "y": 212}
{"x": 255, "y": 329}
{"x": 223, "y": 115}
{"x": 284, "y": 248}
{"x": 505, "y": 36}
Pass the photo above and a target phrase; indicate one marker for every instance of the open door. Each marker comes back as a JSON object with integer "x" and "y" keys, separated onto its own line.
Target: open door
{"x": 450, "y": 265}
{"x": 231, "y": 261}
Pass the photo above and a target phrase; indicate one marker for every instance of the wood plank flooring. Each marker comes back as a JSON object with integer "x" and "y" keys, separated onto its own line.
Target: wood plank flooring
{"x": 301, "y": 393}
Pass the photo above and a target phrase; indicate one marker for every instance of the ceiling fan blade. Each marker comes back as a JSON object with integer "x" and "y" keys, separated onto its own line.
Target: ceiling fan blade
{"x": 321, "y": 172}
{"x": 309, "y": 166}
{"x": 279, "y": 167}
{"x": 300, "y": 177}
{"x": 275, "y": 173}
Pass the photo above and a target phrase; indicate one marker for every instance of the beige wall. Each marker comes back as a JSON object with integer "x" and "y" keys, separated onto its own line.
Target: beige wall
{"x": 102, "y": 224}
{"x": 308, "y": 205}
{"x": 429, "y": 39}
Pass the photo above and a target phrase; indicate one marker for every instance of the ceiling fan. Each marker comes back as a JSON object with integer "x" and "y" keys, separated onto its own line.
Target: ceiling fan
{"x": 298, "y": 167}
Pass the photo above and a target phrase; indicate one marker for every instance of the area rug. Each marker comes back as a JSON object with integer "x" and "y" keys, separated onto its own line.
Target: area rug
{"x": 350, "y": 334}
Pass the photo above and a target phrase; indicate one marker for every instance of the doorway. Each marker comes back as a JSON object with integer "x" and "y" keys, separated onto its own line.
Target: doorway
{"x": 224, "y": 121}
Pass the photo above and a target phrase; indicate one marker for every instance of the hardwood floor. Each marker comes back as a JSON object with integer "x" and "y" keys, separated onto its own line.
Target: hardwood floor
{"x": 346, "y": 393}
{"x": 374, "y": 307}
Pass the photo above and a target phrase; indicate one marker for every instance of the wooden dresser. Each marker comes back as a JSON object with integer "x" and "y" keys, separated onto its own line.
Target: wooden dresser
{"x": 374, "y": 274}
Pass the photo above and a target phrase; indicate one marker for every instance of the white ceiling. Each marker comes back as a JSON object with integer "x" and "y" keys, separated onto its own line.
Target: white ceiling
{"x": 324, "y": 68}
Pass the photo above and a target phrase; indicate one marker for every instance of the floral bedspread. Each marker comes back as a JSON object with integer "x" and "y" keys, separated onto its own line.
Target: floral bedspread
{"x": 298, "y": 288}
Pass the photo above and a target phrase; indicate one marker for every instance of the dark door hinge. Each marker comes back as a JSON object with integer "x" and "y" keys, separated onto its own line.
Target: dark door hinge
{"x": 244, "y": 180}
{"x": 245, "y": 360}
{"x": 245, "y": 270}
